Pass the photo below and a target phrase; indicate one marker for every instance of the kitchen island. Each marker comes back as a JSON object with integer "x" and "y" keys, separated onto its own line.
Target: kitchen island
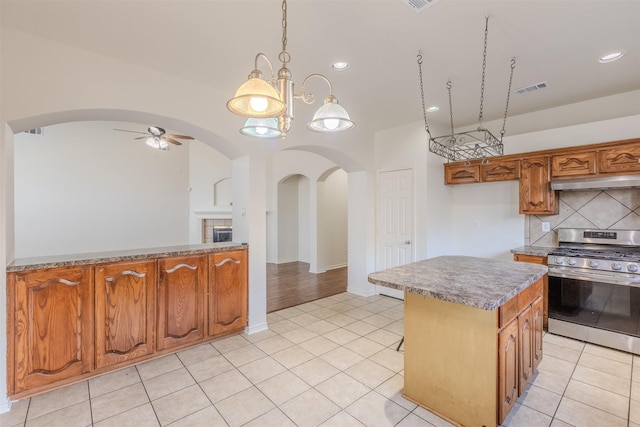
{"x": 473, "y": 334}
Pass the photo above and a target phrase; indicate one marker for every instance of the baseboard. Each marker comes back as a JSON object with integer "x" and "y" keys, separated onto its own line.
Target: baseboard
{"x": 5, "y": 405}
{"x": 286, "y": 261}
{"x": 336, "y": 266}
{"x": 358, "y": 291}
{"x": 254, "y": 329}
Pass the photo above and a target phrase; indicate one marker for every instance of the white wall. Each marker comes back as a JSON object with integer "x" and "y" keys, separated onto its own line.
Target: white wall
{"x": 83, "y": 187}
{"x": 303, "y": 219}
{"x": 334, "y": 217}
{"x": 287, "y": 214}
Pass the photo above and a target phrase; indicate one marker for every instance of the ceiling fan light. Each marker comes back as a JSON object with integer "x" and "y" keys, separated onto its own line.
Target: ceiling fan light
{"x": 261, "y": 128}
{"x": 157, "y": 143}
{"x": 256, "y": 98}
{"x": 331, "y": 117}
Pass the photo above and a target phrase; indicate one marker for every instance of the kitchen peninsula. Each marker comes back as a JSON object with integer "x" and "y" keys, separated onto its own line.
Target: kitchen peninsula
{"x": 473, "y": 334}
{"x": 77, "y": 316}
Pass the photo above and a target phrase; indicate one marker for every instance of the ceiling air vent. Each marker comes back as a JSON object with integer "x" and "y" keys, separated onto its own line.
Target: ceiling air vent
{"x": 531, "y": 88}
{"x": 35, "y": 131}
{"x": 419, "y": 5}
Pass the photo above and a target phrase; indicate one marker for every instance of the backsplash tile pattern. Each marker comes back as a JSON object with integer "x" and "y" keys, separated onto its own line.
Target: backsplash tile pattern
{"x": 608, "y": 209}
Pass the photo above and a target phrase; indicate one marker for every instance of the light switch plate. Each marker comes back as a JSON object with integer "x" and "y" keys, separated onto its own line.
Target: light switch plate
{"x": 546, "y": 226}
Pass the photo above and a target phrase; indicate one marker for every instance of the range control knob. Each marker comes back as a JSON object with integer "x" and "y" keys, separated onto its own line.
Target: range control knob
{"x": 593, "y": 264}
{"x": 632, "y": 268}
{"x": 571, "y": 261}
{"x": 616, "y": 266}
{"x": 559, "y": 260}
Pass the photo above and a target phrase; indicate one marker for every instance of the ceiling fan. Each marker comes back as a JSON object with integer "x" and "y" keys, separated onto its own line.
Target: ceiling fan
{"x": 156, "y": 137}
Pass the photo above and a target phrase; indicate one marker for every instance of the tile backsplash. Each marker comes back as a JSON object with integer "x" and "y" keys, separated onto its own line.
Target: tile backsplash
{"x": 608, "y": 209}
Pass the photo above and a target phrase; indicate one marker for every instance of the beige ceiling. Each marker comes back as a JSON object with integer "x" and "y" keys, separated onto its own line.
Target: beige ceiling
{"x": 214, "y": 42}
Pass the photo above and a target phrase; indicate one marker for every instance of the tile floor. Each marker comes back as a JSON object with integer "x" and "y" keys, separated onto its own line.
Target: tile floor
{"x": 331, "y": 362}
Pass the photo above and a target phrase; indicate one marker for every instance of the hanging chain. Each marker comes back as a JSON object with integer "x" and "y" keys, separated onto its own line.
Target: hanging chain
{"x": 284, "y": 56}
{"x": 424, "y": 108}
{"x": 506, "y": 108}
{"x": 484, "y": 67}
{"x": 449, "y": 84}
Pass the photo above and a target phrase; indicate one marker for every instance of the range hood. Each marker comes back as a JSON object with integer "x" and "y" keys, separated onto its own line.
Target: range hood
{"x": 598, "y": 183}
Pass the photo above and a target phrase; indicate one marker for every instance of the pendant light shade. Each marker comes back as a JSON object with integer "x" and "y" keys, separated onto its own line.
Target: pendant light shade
{"x": 331, "y": 117}
{"x": 256, "y": 98}
{"x": 261, "y": 128}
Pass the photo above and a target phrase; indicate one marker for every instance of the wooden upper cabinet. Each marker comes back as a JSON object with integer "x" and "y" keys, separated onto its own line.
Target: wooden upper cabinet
{"x": 227, "y": 292}
{"x": 125, "y": 311}
{"x": 620, "y": 160}
{"x": 575, "y": 164}
{"x": 181, "y": 299}
{"x": 459, "y": 173}
{"x": 50, "y": 320}
{"x": 536, "y": 195}
{"x": 501, "y": 170}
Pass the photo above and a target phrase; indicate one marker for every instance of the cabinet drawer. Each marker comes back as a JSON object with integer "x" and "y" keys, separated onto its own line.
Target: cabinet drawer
{"x": 529, "y": 294}
{"x": 459, "y": 173}
{"x": 576, "y": 164}
{"x": 624, "y": 159}
{"x": 510, "y": 309}
{"x": 505, "y": 170}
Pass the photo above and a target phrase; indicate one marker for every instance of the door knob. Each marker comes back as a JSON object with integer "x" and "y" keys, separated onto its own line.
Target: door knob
{"x": 407, "y": 242}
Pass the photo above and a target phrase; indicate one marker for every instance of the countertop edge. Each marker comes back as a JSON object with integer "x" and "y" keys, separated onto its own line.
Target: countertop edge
{"x": 542, "y": 251}
{"x": 46, "y": 262}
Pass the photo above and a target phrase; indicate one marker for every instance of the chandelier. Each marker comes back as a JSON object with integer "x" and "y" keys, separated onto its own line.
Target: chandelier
{"x": 475, "y": 144}
{"x": 269, "y": 104}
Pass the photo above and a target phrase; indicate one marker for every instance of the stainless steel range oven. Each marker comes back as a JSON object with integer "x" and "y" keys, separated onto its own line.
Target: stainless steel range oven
{"x": 594, "y": 287}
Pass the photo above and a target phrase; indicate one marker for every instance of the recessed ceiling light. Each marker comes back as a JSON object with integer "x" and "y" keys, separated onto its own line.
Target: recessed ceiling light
{"x": 611, "y": 57}
{"x": 340, "y": 66}
{"x": 433, "y": 109}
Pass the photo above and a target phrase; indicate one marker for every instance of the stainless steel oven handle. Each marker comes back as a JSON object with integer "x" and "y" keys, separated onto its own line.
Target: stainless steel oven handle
{"x": 570, "y": 273}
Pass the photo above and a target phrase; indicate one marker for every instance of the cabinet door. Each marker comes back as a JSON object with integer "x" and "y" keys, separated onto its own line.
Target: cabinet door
{"x": 536, "y": 195}
{"x": 460, "y": 173}
{"x": 125, "y": 311}
{"x": 51, "y": 337}
{"x": 227, "y": 291}
{"x": 537, "y": 309}
{"x": 625, "y": 159}
{"x": 181, "y": 295}
{"x": 534, "y": 259}
{"x": 576, "y": 164}
{"x": 501, "y": 170}
{"x": 507, "y": 369}
{"x": 525, "y": 353}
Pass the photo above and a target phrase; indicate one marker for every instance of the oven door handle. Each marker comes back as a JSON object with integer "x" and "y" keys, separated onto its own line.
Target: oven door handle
{"x": 570, "y": 273}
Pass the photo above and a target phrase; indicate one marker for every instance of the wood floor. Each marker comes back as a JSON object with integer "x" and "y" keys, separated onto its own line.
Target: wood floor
{"x": 291, "y": 284}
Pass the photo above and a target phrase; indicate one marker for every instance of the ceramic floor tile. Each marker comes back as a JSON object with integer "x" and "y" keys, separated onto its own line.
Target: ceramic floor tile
{"x": 113, "y": 381}
{"x": 603, "y": 364}
{"x": 304, "y": 319}
{"x": 58, "y": 399}
{"x": 341, "y": 336}
{"x": 159, "y": 366}
{"x": 274, "y": 317}
{"x": 180, "y": 404}
{"x": 561, "y": 352}
{"x": 243, "y": 407}
{"x": 224, "y": 385}
{"x": 231, "y": 343}
{"x": 310, "y": 408}
{"x": 290, "y": 312}
{"x": 283, "y": 326}
{"x": 321, "y": 327}
{"x": 260, "y": 336}
{"x": 557, "y": 423}
{"x": 118, "y": 401}
{"x": 357, "y": 313}
{"x": 197, "y": 354}
{"x": 261, "y": 369}
{"x": 76, "y": 415}
{"x": 274, "y": 344}
{"x": 299, "y": 335}
{"x": 141, "y": 416}
{"x": 378, "y": 320}
{"x": 384, "y": 337}
{"x": 319, "y": 345}
{"x": 396, "y": 328}
{"x": 292, "y": 356}
{"x": 361, "y": 328}
{"x": 576, "y": 413}
{"x": 432, "y": 418}
{"x": 522, "y": 415}
{"x": 609, "y": 353}
{"x": 209, "y": 368}
{"x": 412, "y": 420}
{"x": 283, "y": 387}
{"x": 315, "y": 371}
{"x": 340, "y": 320}
{"x": 342, "y": 358}
{"x": 369, "y": 373}
{"x": 342, "y": 419}
{"x": 373, "y": 307}
{"x": 563, "y": 341}
{"x": 374, "y": 409}
{"x": 208, "y": 417}
{"x": 168, "y": 383}
{"x": 342, "y": 389}
{"x": 390, "y": 359}
{"x": 309, "y": 306}
{"x": 550, "y": 381}
{"x": 603, "y": 380}
{"x": 598, "y": 398}
{"x": 634, "y": 411}
{"x": 244, "y": 355}
{"x": 17, "y": 415}
{"x": 394, "y": 314}
{"x": 635, "y": 389}
{"x": 364, "y": 347}
{"x": 273, "y": 418}
{"x": 540, "y": 399}
{"x": 556, "y": 366}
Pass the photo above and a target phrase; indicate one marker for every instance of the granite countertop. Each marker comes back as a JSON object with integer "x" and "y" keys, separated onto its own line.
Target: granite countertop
{"x": 532, "y": 250}
{"x": 39, "y": 263}
{"x": 476, "y": 282}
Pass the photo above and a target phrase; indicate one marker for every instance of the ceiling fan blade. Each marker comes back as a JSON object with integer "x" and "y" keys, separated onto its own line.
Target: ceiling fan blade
{"x": 171, "y": 135}
{"x": 143, "y": 137}
{"x": 131, "y": 131}
{"x": 171, "y": 140}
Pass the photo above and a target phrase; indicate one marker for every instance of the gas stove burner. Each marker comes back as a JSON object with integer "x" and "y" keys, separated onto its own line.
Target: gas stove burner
{"x": 633, "y": 255}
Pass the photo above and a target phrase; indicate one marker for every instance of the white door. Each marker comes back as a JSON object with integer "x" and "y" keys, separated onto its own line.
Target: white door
{"x": 394, "y": 223}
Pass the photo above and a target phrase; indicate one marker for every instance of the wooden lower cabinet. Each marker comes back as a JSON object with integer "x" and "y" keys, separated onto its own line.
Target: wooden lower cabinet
{"x": 508, "y": 377}
{"x": 71, "y": 323}
{"x": 50, "y": 326}
{"x": 125, "y": 312}
{"x": 227, "y": 292}
{"x": 181, "y": 297}
{"x": 536, "y": 259}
